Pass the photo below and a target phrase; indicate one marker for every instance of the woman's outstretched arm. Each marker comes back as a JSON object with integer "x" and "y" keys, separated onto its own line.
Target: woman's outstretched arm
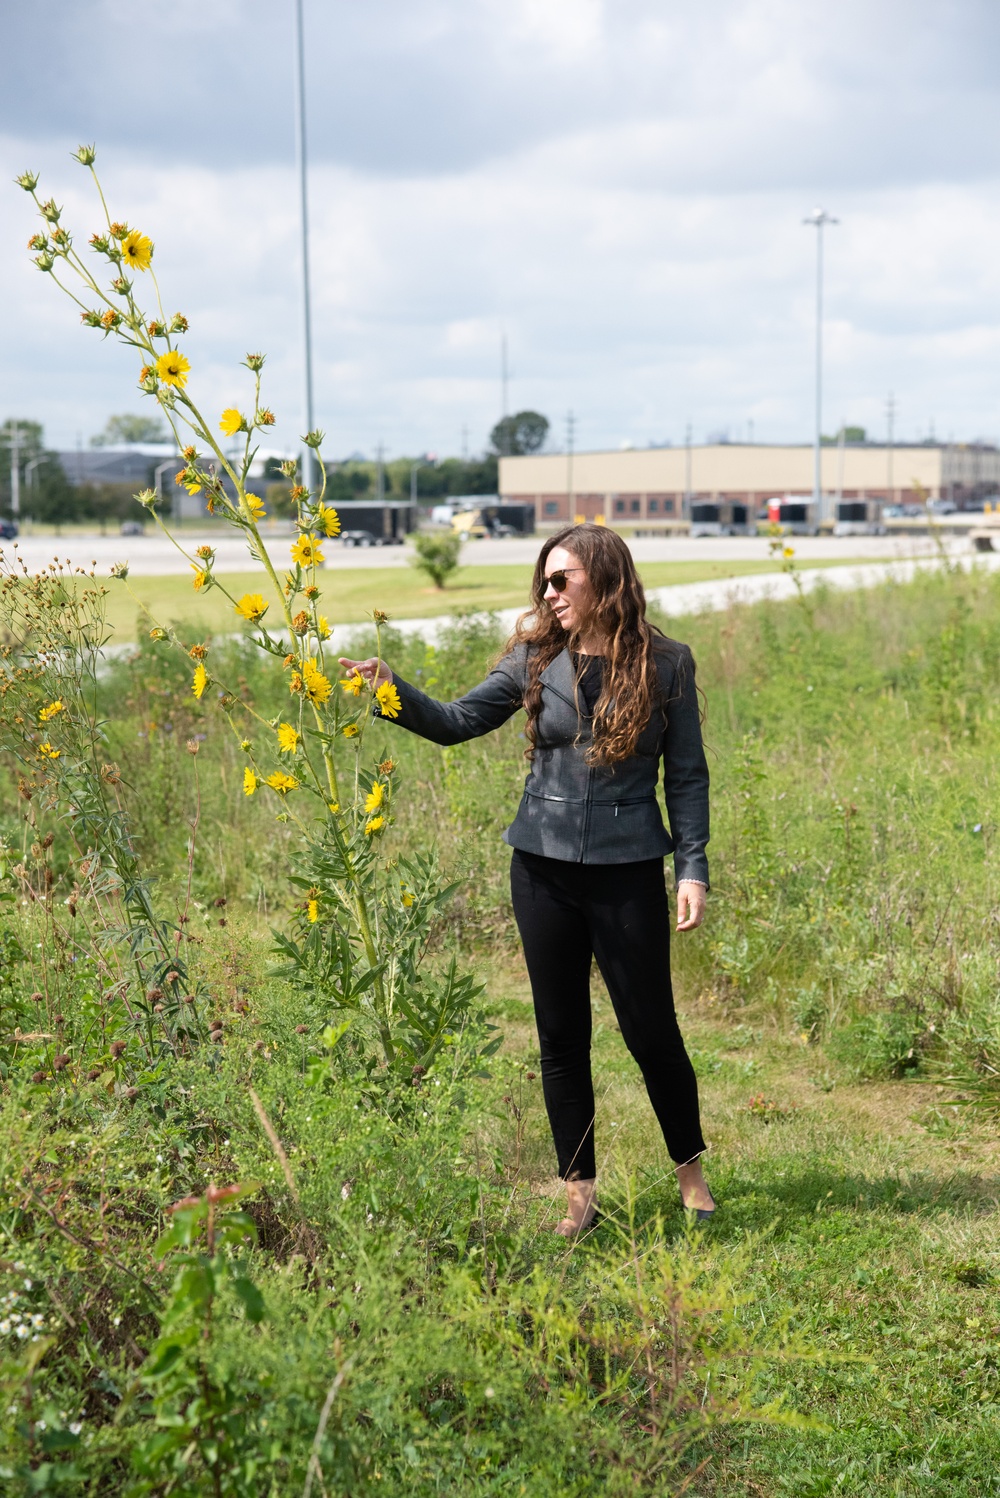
{"x": 486, "y": 707}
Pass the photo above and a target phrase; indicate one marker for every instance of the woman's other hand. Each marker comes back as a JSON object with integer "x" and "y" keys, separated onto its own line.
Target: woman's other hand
{"x": 690, "y": 905}
{"x": 374, "y": 671}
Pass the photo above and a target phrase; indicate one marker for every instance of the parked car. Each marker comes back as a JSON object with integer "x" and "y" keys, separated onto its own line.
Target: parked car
{"x": 365, "y": 538}
{"x": 131, "y": 528}
{"x": 8, "y": 530}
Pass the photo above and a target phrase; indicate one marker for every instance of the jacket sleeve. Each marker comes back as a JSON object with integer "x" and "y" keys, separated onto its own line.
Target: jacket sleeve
{"x": 685, "y": 775}
{"x": 487, "y": 706}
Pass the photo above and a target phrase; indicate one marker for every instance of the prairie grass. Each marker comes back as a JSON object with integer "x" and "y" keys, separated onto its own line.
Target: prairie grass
{"x": 837, "y": 1329}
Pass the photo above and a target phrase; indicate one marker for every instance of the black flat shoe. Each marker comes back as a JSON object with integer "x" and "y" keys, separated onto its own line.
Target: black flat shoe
{"x": 702, "y": 1214}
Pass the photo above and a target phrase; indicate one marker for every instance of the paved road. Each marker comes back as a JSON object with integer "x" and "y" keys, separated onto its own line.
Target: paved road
{"x": 152, "y": 555}
{"x": 720, "y": 593}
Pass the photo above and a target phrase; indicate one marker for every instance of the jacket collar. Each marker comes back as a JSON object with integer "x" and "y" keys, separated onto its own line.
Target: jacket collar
{"x": 559, "y": 677}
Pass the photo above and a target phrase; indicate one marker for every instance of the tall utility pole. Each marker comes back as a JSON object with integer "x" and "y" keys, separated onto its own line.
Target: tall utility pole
{"x": 379, "y": 473}
{"x": 504, "y": 377}
{"x": 818, "y": 219}
{"x": 686, "y": 502}
{"x": 15, "y": 469}
{"x": 308, "y": 456}
{"x": 465, "y": 442}
{"x": 890, "y": 422}
{"x": 570, "y": 432}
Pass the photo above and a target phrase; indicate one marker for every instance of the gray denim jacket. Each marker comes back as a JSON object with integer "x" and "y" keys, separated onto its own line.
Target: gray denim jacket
{"x": 590, "y": 813}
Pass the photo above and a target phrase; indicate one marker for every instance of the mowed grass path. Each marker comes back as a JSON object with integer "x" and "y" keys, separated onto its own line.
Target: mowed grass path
{"x": 867, "y": 1213}
{"x": 349, "y": 595}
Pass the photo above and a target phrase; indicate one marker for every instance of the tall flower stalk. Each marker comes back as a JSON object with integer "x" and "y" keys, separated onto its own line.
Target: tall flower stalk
{"x": 363, "y": 924}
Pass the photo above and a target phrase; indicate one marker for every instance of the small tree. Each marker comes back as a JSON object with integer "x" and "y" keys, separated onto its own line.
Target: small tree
{"x": 523, "y": 433}
{"x": 437, "y": 555}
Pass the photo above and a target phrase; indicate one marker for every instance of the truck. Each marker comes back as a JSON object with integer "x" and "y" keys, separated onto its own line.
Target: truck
{"x": 858, "y": 517}
{"x": 723, "y": 517}
{"x": 795, "y": 513}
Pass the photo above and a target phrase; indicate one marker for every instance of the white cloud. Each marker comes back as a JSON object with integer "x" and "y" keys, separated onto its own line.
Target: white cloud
{"x": 620, "y": 184}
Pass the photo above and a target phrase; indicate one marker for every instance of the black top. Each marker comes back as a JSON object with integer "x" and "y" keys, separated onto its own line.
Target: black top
{"x": 589, "y": 679}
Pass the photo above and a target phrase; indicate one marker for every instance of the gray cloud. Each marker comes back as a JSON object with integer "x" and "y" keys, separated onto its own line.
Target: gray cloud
{"x": 621, "y": 184}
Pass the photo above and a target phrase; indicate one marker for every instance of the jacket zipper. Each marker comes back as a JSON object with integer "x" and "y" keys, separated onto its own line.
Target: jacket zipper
{"x": 586, "y": 813}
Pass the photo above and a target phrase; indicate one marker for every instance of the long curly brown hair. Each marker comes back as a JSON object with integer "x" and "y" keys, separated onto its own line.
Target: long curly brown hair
{"x": 630, "y": 691}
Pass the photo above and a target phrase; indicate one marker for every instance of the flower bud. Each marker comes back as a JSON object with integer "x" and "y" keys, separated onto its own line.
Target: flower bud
{"x": 50, "y": 212}
{"x": 255, "y": 362}
{"x": 118, "y": 231}
{"x": 179, "y": 323}
{"x": 208, "y": 552}
{"x": 314, "y": 439}
{"x": 85, "y": 155}
{"x": 111, "y": 318}
{"x": 147, "y": 498}
{"x": 119, "y": 284}
{"x": 300, "y": 623}
{"x": 265, "y": 417}
{"x": 147, "y": 379}
{"x": 27, "y": 180}
{"x": 44, "y": 261}
{"x": 99, "y": 242}
{"x": 91, "y": 319}
{"x": 290, "y": 467}
{"x": 37, "y": 242}
{"x": 120, "y": 570}
{"x": 158, "y": 634}
{"x": 157, "y": 329}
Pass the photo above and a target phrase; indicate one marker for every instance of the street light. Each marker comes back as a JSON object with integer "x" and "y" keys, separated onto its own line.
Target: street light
{"x": 158, "y": 482}
{"x": 818, "y": 219}
{"x": 308, "y": 456}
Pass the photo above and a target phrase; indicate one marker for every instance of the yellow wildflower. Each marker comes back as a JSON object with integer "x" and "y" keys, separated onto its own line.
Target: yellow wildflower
{"x": 200, "y": 681}
{"x": 388, "y": 700}
{"x": 192, "y": 486}
{"x": 48, "y": 751}
{"x": 256, "y": 506}
{"x": 137, "y": 250}
{"x": 334, "y": 805}
{"x": 173, "y": 368}
{"x": 313, "y": 911}
{"x": 50, "y": 711}
{"x": 306, "y": 552}
{"x": 200, "y": 578}
{"x": 289, "y": 738}
{"x": 323, "y": 627}
{"x": 252, "y": 607}
{"x": 232, "y": 422}
{"x": 353, "y": 684}
{"x": 351, "y": 731}
{"x": 281, "y": 782}
{"x": 406, "y": 895}
{"x": 374, "y": 798}
{"x": 375, "y": 824}
{"x": 249, "y": 781}
{"x": 328, "y": 521}
{"x": 788, "y": 551}
{"x": 317, "y": 686}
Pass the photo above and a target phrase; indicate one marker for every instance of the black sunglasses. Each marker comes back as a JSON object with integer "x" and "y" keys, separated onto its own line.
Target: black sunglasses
{"x": 559, "y": 580}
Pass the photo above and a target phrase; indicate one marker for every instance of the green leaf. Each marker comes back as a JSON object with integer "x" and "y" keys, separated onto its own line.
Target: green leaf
{"x": 253, "y": 1300}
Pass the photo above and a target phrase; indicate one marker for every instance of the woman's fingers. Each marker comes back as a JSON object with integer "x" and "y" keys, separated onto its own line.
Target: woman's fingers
{"x": 690, "y": 905}
{"x": 373, "y": 670}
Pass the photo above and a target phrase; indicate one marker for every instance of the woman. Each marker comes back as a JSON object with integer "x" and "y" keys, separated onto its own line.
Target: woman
{"x": 607, "y": 696}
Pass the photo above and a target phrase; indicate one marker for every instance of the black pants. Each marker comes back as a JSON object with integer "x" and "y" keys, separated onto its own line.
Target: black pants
{"x": 568, "y": 913}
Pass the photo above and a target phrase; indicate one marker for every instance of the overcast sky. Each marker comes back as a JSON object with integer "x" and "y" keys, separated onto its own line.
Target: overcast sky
{"x": 620, "y": 186}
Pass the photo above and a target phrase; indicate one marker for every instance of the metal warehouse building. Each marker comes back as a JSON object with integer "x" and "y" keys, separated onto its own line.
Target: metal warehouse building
{"x": 657, "y": 485}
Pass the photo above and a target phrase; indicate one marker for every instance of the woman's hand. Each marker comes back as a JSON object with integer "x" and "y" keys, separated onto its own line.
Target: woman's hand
{"x": 690, "y": 904}
{"x": 374, "y": 671}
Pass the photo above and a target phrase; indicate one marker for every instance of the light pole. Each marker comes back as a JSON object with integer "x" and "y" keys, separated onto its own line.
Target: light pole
{"x": 161, "y": 468}
{"x": 420, "y": 463}
{"x": 308, "y": 457}
{"x": 818, "y": 219}
{"x": 15, "y": 470}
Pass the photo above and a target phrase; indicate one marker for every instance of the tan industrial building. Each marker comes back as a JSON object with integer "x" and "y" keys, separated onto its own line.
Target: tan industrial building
{"x": 657, "y": 485}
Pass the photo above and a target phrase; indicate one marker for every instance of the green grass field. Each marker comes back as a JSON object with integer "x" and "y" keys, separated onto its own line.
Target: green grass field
{"x": 404, "y": 1314}
{"x": 351, "y": 594}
